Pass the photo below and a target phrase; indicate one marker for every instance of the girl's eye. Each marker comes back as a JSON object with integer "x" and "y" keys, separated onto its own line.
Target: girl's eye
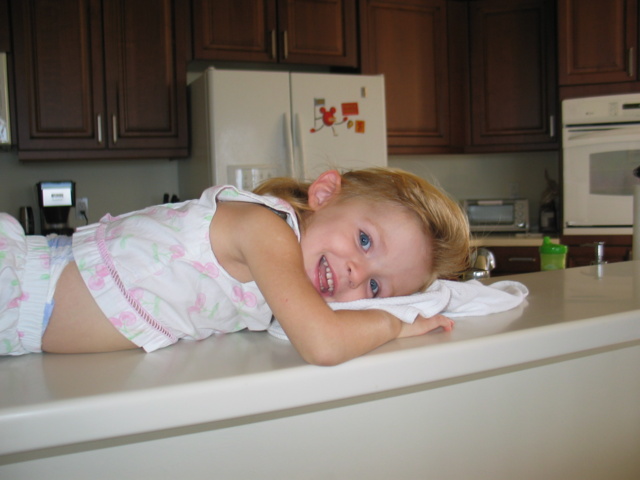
{"x": 365, "y": 241}
{"x": 375, "y": 288}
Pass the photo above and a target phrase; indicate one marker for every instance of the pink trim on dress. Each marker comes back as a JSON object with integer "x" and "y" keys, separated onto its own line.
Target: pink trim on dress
{"x": 106, "y": 258}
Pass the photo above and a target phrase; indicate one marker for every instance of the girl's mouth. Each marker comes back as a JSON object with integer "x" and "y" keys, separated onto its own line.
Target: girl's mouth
{"x": 325, "y": 277}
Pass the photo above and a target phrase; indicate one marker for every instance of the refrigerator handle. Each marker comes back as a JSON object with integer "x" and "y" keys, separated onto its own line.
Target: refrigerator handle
{"x": 288, "y": 141}
{"x": 302, "y": 163}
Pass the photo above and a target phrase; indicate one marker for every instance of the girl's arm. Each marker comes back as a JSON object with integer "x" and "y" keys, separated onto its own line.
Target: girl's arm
{"x": 252, "y": 243}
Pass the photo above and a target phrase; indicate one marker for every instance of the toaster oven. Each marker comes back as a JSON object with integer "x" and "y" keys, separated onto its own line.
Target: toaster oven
{"x": 498, "y": 215}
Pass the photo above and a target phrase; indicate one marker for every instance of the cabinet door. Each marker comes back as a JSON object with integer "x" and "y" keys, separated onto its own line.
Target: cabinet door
{"x": 244, "y": 30}
{"x": 583, "y": 255}
{"x": 583, "y": 250}
{"x": 5, "y": 39}
{"x": 146, "y": 75}
{"x": 69, "y": 107}
{"x": 597, "y": 41}
{"x": 59, "y": 74}
{"x": 318, "y": 32}
{"x": 513, "y": 94}
{"x": 510, "y": 260}
{"x": 407, "y": 42}
{"x": 313, "y": 32}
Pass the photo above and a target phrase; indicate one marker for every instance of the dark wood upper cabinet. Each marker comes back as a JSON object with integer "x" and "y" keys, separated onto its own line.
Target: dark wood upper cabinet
{"x": 597, "y": 41}
{"x": 512, "y": 75}
{"x": 316, "y": 32}
{"x": 407, "y": 42}
{"x": 217, "y": 34}
{"x": 5, "y": 38}
{"x": 464, "y": 76}
{"x": 100, "y": 79}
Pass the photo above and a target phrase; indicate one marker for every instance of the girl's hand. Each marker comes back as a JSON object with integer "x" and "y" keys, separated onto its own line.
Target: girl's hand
{"x": 423, "y": 325}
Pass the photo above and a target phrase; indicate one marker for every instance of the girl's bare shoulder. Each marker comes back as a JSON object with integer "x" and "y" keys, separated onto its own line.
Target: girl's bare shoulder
{"x": 245, "y": 217}
{"x": 243, "y": 235}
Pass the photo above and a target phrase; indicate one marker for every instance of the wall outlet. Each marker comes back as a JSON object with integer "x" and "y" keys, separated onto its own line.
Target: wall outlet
{"x": 82, "y": 208}
{"x": 248, "y": 177}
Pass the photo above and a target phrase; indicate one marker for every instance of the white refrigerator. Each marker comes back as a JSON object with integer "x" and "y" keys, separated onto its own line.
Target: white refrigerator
{"x": 247, "y": 126}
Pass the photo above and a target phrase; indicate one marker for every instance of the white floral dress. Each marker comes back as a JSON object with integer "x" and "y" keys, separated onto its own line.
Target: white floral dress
{"x": 153, "y": 274}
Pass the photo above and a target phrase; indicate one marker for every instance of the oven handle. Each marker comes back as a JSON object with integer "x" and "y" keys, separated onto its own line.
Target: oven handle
{"x": 589, "y": 135}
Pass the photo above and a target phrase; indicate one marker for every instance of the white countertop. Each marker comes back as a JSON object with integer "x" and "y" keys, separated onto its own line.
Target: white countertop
{"x": 53, "y": 400}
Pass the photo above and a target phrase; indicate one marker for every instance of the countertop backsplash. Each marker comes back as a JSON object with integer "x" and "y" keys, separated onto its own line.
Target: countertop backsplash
{"x": 119, "y": 186}
{"x": 496, "y": 175}
{"x": 112, "y": 186}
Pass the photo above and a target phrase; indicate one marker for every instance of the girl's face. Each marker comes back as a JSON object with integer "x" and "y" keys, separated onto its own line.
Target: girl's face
{"x": 357, "y": 249}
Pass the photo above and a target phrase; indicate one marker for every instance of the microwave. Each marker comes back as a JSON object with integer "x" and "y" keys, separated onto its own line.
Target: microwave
{"x": 498, "y": 215}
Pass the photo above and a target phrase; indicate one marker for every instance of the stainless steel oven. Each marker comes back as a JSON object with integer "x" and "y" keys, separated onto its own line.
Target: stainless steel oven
{"x": 601, "y": 149}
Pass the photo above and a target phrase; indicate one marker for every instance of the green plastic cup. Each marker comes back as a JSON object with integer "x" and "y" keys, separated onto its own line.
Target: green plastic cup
{"x": 553, "y": 256}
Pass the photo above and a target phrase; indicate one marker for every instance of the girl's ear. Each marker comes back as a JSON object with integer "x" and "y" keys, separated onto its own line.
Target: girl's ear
{"x": 324, "y": 188}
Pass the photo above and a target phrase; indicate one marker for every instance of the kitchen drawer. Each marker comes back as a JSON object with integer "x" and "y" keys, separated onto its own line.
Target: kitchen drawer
{"x": 582, "y": 249}
{"x": 511, "y": 260}
{"x": 585, "y": 255}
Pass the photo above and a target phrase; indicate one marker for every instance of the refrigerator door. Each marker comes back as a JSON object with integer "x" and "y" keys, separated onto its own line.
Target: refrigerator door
{"x": 239, "y": 119}
{"x": 338, "y": 122}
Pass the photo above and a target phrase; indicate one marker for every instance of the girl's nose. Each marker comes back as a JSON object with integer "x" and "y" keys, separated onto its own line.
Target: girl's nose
{"x": 357, "y": 274}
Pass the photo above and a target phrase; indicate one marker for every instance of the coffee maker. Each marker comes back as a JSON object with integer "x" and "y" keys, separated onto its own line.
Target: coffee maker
{"x": 55, "y": 199}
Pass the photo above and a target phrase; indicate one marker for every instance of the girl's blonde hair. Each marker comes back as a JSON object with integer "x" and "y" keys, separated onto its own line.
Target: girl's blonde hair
{"x": 441, "y": 218}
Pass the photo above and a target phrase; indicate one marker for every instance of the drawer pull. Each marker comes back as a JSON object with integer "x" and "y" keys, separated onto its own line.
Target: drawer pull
{"x": 522, "y": 259}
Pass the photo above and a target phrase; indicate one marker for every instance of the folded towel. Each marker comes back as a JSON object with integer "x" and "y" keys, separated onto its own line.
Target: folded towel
{"x": 450, "y": 298}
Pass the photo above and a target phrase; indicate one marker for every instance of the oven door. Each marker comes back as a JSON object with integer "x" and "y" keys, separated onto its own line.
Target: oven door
{"x": 598, "y": 178}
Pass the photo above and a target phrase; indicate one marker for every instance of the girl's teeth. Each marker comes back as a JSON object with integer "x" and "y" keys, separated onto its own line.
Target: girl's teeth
{"x": 328, "y": 275}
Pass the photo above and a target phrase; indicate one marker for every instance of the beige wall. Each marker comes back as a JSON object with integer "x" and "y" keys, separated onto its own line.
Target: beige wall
{"x": 502, "y": 175}
{"x": 118, "y": 186}
{"x": 111, "y": 186}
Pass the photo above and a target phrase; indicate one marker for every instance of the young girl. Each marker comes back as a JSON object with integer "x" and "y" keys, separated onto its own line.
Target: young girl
{"x": 232, "y": 260}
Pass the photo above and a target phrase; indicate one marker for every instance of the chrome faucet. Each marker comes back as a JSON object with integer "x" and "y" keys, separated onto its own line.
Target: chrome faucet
{"x": 482, "y": 262}
{"x": 599, "y": 253}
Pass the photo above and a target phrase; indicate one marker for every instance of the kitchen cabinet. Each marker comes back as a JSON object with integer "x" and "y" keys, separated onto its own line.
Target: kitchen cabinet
{"x": 512, "y": 75}
{"x": 580, "y": 256}
{"x": 100, "y": 79}
{"x": 548, "y": 390}
{"x": 5, "y": 39}
{"x": 407, "y": 41}
{"x": 464, "y": 76}
{"x": 512, "y": 260}
{"x": 582, "y": 250}
{"x": 597, "y": 41}
{"x": 317, "y": 32}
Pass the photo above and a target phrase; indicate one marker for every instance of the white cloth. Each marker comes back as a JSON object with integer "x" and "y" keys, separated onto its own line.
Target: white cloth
{"x": 449, "y": 298}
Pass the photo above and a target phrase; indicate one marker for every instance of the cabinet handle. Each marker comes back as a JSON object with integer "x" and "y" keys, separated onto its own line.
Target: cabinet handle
{"x": 631, "y": 63}
{"x": 99, "y": 120}
{"x": 274, "y": 52}
{"x": 114, "y": 121}
{"x": 522, "y": 259}
{"x": 285, "y": 44}
{"x": 552, "y": 126}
